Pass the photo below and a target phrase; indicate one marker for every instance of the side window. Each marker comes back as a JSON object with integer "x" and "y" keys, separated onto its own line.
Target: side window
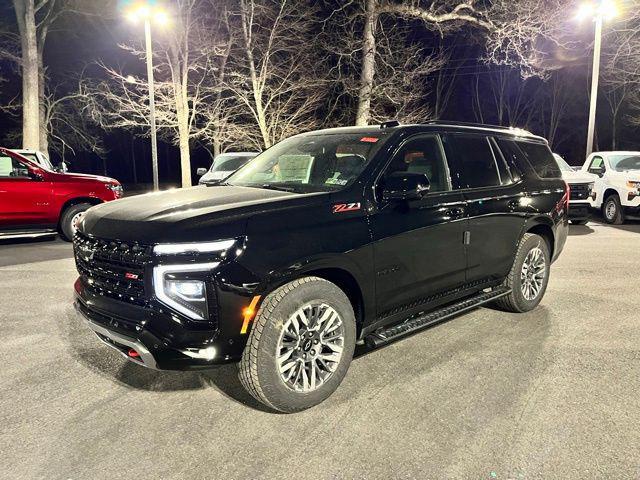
{"x": 11, "y": 168}
{"x": 541, "y": 159}
{"x": 597, "y": 165}
{"x": 471, "y": 161}
{"x": 422, "y": 155}
{"x": 506, "y": 178}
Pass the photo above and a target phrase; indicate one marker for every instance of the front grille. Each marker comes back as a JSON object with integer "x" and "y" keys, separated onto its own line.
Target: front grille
{"x": 113, "y": 269}
{"x": 579, "y": 191}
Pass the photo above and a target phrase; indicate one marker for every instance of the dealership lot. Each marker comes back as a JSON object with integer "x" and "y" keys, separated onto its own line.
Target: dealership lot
{"x": 549, "y": 394}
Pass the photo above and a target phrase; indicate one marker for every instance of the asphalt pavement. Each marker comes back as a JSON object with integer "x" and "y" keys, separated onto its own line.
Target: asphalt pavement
{"x": 554, "y": 393}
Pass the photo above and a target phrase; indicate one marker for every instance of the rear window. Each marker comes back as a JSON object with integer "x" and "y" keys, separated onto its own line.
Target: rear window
{"x": 471, "y": 161}
{"x": 541, "y": 159}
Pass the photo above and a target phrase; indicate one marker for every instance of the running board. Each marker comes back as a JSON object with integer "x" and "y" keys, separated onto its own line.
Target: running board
{"x": 9, "y": 235}
{"x": 389, "y": 334}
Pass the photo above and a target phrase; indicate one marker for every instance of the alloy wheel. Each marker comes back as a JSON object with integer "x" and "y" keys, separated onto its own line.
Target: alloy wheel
{"x": 533, "y": 273}
{"x": 310, "y": 347}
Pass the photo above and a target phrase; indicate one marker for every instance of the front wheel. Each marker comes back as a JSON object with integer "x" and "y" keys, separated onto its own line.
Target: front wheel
{"x": 300, "y": 346}
{"x": 612, "y": 210}
{"x": 529, "y": 275}
{"x": 71, "y": 218}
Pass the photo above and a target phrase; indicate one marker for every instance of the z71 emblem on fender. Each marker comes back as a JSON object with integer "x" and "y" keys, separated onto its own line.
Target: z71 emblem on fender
{"x": 346, "y": 207}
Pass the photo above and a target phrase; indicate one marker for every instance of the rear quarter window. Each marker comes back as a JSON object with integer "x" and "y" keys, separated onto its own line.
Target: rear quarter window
{"x": 541, "y": 159}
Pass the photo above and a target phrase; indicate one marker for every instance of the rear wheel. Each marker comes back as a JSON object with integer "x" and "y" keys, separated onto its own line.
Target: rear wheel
{"x": 300, "y": 346}
{"x": 612, "y": 210}
{"x": 529, "y": 275}
{"x": 71, "y": 218}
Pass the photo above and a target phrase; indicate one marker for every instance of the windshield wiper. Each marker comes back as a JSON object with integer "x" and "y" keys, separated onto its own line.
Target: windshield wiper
{"x": 270, "y": 186}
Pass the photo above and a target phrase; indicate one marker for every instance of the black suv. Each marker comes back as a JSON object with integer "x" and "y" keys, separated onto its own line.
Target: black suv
{"x": 327, "y": 240}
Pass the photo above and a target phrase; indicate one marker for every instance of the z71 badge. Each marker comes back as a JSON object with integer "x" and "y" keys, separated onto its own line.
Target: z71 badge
{"x": 346, "y": 207}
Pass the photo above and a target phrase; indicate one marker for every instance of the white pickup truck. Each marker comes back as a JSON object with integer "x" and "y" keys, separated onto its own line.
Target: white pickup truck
{"x": 581, "y": 185}
{"x": 617, "y": 184}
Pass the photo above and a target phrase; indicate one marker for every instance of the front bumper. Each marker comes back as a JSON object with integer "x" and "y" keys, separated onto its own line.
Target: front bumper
{"x": 161, "y": 339}
{"x": 579, "y": 211}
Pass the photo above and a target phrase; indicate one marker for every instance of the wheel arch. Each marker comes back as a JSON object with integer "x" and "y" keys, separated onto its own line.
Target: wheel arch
{"x": 543, "y": 229}
{"x": 608, "y": 191}
{"x": 75, "y": 201}
{"x": 339, "y": 274}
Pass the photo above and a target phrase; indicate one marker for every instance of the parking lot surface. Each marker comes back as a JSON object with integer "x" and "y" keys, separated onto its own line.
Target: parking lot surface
{"x": 554, "y": 393}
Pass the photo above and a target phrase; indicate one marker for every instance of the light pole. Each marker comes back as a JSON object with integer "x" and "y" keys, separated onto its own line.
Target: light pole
{"x": 147, "y": 13}
{"x": 598, "y": 11}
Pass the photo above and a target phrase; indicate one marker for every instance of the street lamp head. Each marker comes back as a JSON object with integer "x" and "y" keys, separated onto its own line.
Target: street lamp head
{"x": 601, "y": 9}
{"x": 147, "y": 12}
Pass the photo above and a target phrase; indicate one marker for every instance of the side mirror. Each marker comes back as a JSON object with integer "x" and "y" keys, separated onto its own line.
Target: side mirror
{"x": 405, "y": 186}
{"x": 201, "y": 171}
{"x": 36, "y": 175}
{"x": 597, "y": 170}
{"x": 62, "y": 168}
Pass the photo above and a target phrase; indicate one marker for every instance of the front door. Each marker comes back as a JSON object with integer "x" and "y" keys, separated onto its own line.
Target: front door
{"x": 418, "y": 244}
{"x": 24, "y": 197}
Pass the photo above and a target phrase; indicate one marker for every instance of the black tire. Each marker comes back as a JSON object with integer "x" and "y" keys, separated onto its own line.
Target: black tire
{"x": 516, "y": 301}
{"x": 582, "y": 221}
{"x": 66, "y": 220}
{"x": 612, "y": 210}
{"x": 259, "y": 372}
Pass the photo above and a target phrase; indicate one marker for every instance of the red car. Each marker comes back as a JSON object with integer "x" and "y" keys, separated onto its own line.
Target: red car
{"x": 35, "y": 201}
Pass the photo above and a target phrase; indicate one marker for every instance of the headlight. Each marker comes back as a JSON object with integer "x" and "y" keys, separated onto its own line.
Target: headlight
{"x": 116, "y": 189}
{"x": 206, "y": 247}
{"x": 183, "y": 287}
{"x": 635, "y": 185}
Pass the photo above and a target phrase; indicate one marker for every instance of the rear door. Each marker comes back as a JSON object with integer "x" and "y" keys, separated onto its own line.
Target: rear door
{"x": 418, "y": 244}
{"x": 491, "y": 188}
{"x": 24, "y": 197}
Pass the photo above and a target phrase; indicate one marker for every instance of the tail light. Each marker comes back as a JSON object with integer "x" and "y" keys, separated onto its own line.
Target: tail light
{"x": 563, "y": 204}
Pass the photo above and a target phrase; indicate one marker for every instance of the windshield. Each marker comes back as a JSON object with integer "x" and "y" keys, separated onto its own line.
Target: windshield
{"x": 311, "y": 163}
{"x": 229, "y": 163}
{"x": 41, "y": 161}
{"x": 564, "y": 166}
{"x": 621, "y": 163}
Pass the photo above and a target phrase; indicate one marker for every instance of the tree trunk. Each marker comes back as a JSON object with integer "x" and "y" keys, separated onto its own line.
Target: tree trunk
{"x": 217, "y": 148}
{"x": 182, "y": 111}
{"x": 25, "y": 15}
{"x": 44, "y": 127}
{"x": 368, "y": 64}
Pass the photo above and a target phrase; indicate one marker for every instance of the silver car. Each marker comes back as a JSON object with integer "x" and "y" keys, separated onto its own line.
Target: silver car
{"x": 223, "y": 166}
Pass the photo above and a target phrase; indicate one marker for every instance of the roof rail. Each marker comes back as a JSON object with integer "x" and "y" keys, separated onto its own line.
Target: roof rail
{"x": 478, "y": 125}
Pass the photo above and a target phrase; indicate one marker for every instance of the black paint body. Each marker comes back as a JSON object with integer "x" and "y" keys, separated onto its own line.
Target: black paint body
{"x": 392, "y": 258}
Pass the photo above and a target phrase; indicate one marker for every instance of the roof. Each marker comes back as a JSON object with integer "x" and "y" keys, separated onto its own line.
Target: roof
{"x": 434, "y": 126}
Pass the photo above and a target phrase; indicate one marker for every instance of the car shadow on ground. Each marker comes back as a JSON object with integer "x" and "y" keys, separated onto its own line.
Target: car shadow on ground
{"x": 579, "y": 230}
{"x": 89, "y": 351}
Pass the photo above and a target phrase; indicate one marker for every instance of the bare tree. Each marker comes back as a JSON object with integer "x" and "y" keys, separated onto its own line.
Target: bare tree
{"x": 34, "y": 19}
{"x": 190, "y": 59}
{"x": 277, "y": 81}
{"x": 514, "y": 31}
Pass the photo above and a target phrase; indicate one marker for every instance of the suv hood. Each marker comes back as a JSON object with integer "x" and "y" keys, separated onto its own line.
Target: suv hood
{"x": 187, "y": 215}
{"x": 74, "y": 177}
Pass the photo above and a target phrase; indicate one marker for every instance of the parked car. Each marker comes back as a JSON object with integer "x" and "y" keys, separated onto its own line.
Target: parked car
{"x": 581, "y": 185}
{"x": 617, "y": 184}
{"x": 41, "y": 159}
{"x": 36, "y": 201}
{"x": 329, "y": 238}
{"x": 223, "y": 166}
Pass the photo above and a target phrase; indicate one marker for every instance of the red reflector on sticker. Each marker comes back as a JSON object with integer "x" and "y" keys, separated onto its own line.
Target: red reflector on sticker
{"x": 130, "y": 276}
{"x": 369, "y": 139}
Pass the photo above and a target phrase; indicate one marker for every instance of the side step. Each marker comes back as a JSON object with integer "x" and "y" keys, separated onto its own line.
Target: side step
{"x": 389, "y": 334}
{"x": 10, "y": 235}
